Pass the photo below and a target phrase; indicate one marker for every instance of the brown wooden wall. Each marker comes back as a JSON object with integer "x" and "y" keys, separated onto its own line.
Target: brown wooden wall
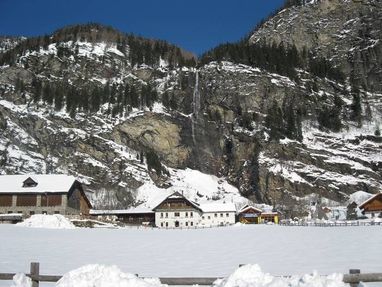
{"x": 77, "y": 201}
{"x": 26, "y": 200}
{"x": 374, "y": 205}
{"x": 5, "y": 200}
{"x": 176, "y": 204}
{"x": 51, "y": 199}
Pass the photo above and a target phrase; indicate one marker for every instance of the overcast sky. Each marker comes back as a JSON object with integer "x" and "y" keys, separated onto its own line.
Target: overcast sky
{"x": 195, "y": 25}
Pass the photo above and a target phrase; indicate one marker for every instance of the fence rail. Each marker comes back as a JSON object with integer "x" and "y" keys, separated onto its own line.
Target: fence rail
{"x": 331, "y": 224}
{"x": 353, "y": 278}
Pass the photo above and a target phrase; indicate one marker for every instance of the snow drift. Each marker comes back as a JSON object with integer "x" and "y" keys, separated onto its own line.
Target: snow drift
{"x": 95, "y": 275}
{"x": 20, "y": 280}
{"x": 55, "y": 221}
{"x": 103, "y": 276}
{"x": 252, "y": 276}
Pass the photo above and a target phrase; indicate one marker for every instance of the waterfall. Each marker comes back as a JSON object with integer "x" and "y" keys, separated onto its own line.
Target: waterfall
{"x": 195, "y": 106}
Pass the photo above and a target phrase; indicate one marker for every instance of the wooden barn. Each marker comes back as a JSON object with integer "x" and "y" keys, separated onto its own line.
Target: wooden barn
{"x": 42, "y": 194}
{"x": 249, "y": 215}
{"x": 373, "y": 206}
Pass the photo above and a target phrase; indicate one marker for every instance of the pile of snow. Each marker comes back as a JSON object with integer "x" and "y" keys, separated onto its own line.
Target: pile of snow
{"x": 95, "y": 275}
{"x": 251, "y": 275}
{"x": 21, "y": 280}
{"x": 55, "y": 221}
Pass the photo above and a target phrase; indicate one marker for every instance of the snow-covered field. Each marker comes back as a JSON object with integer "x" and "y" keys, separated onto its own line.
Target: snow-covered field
{"x": 202, "y": 252}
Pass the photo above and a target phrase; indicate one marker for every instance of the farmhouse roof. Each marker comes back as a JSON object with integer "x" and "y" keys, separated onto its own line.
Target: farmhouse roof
{"x": 218, "y": 207}
{"x": 121, "y": 211}
{"x": 361, "y": 206}
{"x": 246, "y": 207}
{"x": 46, "y": 183}
{"x": 178, "y": 195}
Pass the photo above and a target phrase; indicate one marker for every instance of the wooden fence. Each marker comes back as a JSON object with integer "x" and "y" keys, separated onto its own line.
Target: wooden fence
{"x": 332, "y": 224}
{"x": 353, "y": 278}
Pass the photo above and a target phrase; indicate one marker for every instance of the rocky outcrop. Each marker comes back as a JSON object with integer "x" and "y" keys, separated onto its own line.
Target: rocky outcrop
{"x": 348, "y": 33}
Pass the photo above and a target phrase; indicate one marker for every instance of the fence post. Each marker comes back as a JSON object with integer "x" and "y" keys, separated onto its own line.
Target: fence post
{"x": 35, "y": 272}
{"x": 354, "y": 271}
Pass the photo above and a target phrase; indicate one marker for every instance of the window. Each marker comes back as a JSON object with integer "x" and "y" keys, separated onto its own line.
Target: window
{"x": 227, "y": 214}
{"x": 166, "y": 224}
{"x": 202, "y": 217}
{"x": 56, "y": 212}
{"x": 29, "y": 182}
{"x": 161, "y": 215}
{"x": 10, "y": 211}
{"x": 31, "y": 212}
{"x": 192, "y": 224}
{"x": 216, "y": 215}
{"x": 191, "y": 214}
{"x": 44, "y": 212}
{"x": 177, "y": 214}
{"x": 26, "y": 200}
{"x": 209, "y": 217}
{"x": 186, "y": 214}
{"x": 221, "y": 214}
{"x": 166, "y": 214}
{"x": 186, "y": 223}
{"x": 19, "y": 212}
{"x": 161, "y": 224}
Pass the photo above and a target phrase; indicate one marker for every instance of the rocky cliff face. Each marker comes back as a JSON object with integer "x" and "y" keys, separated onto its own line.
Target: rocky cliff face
{"x": 214, "y": 118}
{"x": 346, "y": 32}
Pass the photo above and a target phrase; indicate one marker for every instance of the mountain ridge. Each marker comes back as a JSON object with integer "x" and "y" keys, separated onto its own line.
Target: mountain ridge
{"x": 125, "y": 123}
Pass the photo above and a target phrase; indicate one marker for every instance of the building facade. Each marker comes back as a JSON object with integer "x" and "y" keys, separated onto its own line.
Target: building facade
{"x": 252, "y": 215}
{"x": 42, "y": 194}
{"x": 372, "y": 207}
{"x": 176, "y": 211}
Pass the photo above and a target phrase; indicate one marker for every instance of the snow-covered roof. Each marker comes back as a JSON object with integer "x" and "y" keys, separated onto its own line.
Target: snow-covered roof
{"x": 45, "y": 183}
{"x": 360, "y": 197}
{"x": 250, "y": 207}
{"x": 218, "y": 207}
{"x": 120, "y": 211}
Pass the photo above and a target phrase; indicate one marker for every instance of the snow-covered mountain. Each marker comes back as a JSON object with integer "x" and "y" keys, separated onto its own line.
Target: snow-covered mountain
{"x": 135, "y": 118}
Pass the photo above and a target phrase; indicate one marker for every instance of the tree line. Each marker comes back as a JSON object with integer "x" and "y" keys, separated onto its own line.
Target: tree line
{"x": 275, "y": 58}
{"x": 114, "y": 99}
{"x": 141, "y": 50}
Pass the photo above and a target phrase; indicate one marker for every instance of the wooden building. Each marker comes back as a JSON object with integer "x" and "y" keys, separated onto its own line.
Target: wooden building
{"x": 252, "y": 215}
{"x": 39, "y": 194}
{"x": 373, "y": 206}
{"x": 249, "y": 215}
{"x": 132, "y": 216}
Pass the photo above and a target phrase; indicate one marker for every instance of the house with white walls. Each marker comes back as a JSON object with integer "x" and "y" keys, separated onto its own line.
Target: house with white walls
{"x": 176, "y": 211}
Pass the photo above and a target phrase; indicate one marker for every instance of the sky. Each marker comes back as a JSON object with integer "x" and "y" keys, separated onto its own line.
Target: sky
{"x": 195, "y": 25}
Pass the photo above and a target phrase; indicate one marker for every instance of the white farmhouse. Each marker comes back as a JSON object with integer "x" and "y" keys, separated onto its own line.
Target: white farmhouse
{"x": 176, "y": 211}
